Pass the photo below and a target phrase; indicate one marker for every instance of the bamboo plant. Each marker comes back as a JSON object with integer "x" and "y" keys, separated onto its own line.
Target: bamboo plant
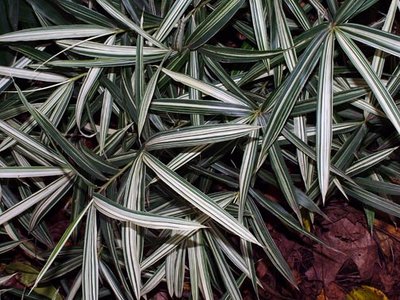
{"x": 160, "y": 129}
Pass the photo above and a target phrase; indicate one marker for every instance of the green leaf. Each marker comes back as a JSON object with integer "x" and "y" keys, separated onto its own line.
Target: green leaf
{"x": 369, "y": 161}
{"x": 55, "y": 135}
{"x": 90, "y": 264}
{"x": 237, "y": 55}
{"x": 203, "y": 107}
{"x": 55, "y": 33}
{"x": 198, "y": 135}
{"x": 85, "y": 14}
{"x": 110, "y": 8}
{"x": 141, "y": 218}
{"x": 226, "y": 274}
{"x": 169, "y": 21}
{"x": 379, "y": 39}
{"x": 213, "y": 23}
{"x": 324, "y": 115}
{"x": 28, "y": 202}
{"x": 60, "y": 245}
{"x": 100, "y": 50}
{"x": 206, "y": 88}
{"x": 29, "y": 172}
{"x": 362, "y": 65}
{"x": 286, "y": 96}
{"x": 31, "y": 75}
{"x": 148, "y": 96}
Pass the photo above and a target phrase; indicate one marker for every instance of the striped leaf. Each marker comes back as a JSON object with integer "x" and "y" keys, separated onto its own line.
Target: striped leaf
{"x": 116, "y": 14}
{"x": 28, "y": 172}
{"x": 364, "y": 68}
{"x": 55, "y": 33}
{"x": 171, "y": 19}
{"x": 198, "y": 199}
{"x": 378, "y": 39}
{"x": 198, "y": 135}
{"x": 324, "y": 114}
{"x": 206, "y": 88}
{"x": 286, "y": 96}
{"x": 203, "y": 107}
{"x": 369, "y": 161}
{"x": 93, "y": 49}
{"x": 60, "y": 245}
{"x": 55, "y": 135}
{"x": 213, "y": 23}
{"x": 226, "y": 274}
{"x": 31, "y": 75}
{"x": 144, "y": 219}
{"x": 90, "y": 264}
{"x": 33, "y": 199}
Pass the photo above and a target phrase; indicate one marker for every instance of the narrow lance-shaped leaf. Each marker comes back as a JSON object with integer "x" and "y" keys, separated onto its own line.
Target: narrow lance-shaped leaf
{"x": 223, "y": 200}
{"x": 131, "y": 235}
{"x": 203, "y": 107}
{"x": 55, "y": 33}
{"x": 198, "y": 135}
{"x": 214, "y": 22}
{"x": 247, "y": 169}
{"x": 87, "y": 86}
{"x": 171, "y": 19}
{"x": 90, "y": 264}
{"x": 283, "y": 177}
{"x": 100, "y": 50}
{"x": 379, "y": 39}
{"x": 324, "y": 114}
{"x": 369, "y": 161}
{"x": 109, "y": 8}
{"x": 148, "y": 96}
{"x": 31, "y": 75}
{"x": 260, "y": 25}
{"x": 106, "y": 112}
{"x": 33, "y": 199}
{"x": 29, "y": 172}
{"x": 55, "y": 135}
{"x": 60, "y": 245}
{"x": 197, "y": 198}
{"x": 224, "y": 270}
{"x": 206, "y": 88}
{"x": 362, "y": 65}
{"x": 237, "y": 55}
{"x": 204, "y": 276}
{"x": 193, "y": 267}
{"x": 286, "y": 96}
{"x": 144, "y": 219}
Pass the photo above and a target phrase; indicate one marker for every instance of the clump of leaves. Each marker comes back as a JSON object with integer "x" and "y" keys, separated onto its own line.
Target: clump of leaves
{"x": 154, "y": 131}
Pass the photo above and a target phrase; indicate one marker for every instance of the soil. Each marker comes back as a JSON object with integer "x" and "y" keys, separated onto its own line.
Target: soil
{"x": 362, "y": 258}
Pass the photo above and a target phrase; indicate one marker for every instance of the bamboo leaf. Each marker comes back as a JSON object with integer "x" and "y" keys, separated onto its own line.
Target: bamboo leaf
{"x": 378, "y": 39}
{"x": 197, "y": 198}
{"x": 324, "y": 115}
{"x": 362, "y": 65}
{"x": 55, "y": 33}
{"x": 198, "y": 135}
{"x": 286, "y": 96}
{"x": 29, "y": 172}
{"x": 206, "y": 88}
{"x": 90, "y": 264}
{"x": 60, "y": 245}
{"x": 31, "y": 75}
{"x": 28, "y": 202}
{"x": 213, "y": 23}
{"x": 55, "y": 135}
{"x": 118, "y": 212}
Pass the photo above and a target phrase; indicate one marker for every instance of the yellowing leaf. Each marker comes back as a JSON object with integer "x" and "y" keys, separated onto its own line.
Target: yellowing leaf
{"x": 365, "y": 292}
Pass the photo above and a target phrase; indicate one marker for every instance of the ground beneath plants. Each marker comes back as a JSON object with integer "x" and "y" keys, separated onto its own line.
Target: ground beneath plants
{"x": 370, "y": 260}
